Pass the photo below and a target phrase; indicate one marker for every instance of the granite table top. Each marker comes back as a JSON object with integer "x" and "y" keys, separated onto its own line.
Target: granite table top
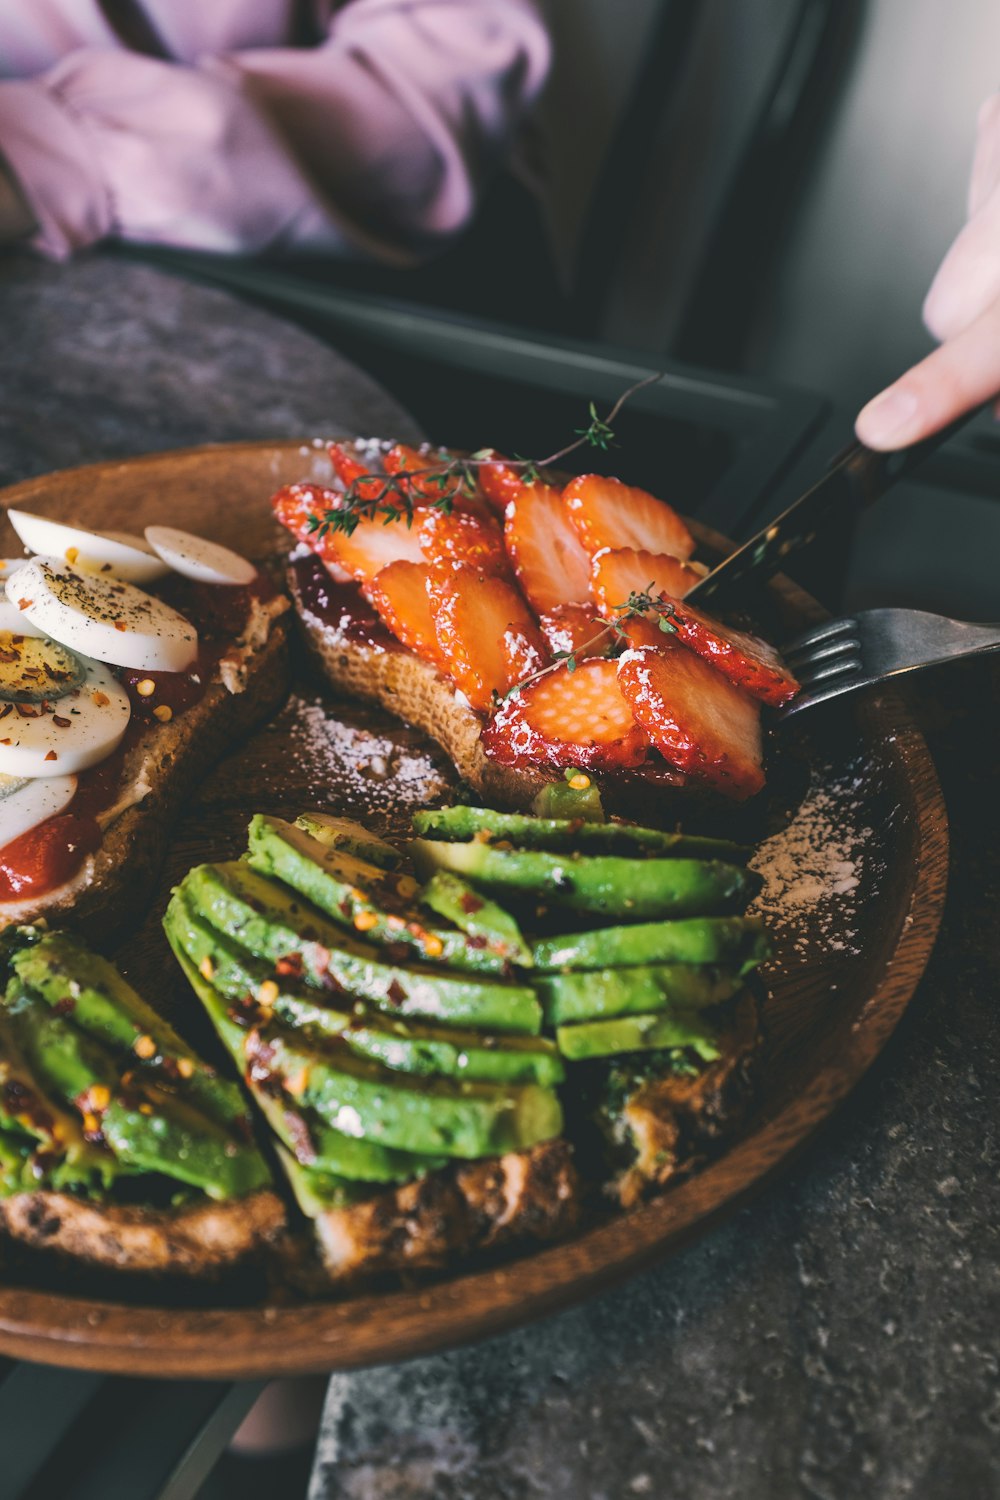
{"x": 840, "y": 1336}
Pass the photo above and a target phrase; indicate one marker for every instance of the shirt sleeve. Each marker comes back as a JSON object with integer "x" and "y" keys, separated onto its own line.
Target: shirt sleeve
{"x": 373, "y": 143}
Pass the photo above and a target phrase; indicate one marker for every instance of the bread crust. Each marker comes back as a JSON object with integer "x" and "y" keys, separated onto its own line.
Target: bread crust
{"x": 676, "y": 1122}
{"x": 198, "y": 1241}
{"x": 424, "y": 1225}
{"x": 416, "y": 692}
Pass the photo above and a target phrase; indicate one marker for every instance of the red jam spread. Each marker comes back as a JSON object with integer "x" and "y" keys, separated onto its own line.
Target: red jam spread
{"x": 341, "y": 607}
{"x": 47, "y": 855}
{"x": 51, "y": 853}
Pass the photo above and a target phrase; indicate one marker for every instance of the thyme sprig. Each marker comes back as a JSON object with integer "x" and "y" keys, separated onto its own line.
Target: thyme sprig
{"x": 640, "y": 605}
{"x": 389, "y": 497}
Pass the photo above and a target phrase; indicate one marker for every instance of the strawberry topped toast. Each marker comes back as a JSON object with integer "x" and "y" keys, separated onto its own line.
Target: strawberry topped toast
{"x": 529, "y": 627}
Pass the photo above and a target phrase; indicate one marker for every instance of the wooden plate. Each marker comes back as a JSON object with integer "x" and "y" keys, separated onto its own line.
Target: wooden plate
{"x": 863, "y": 870}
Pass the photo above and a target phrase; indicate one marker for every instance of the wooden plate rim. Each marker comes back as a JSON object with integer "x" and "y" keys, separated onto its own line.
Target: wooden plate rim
{"x": 242, "y": 1343}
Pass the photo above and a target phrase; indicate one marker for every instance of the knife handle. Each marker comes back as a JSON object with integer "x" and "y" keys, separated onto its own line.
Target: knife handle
{"x": 871, "y": 472}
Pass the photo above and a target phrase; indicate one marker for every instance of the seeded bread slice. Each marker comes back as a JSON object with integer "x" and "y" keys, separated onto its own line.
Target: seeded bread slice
{"x": 198, "y": 1241}
{"x": 112, "y": 887}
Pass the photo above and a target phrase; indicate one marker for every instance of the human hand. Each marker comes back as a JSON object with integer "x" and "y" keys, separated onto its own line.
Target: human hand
{"x": 962, "y": 310}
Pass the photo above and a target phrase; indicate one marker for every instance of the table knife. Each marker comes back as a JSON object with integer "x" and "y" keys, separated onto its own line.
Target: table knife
{"x": 857, "y": 476}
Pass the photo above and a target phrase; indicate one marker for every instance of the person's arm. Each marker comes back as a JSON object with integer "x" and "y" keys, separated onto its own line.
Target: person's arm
{"x": 962, "y": 310}
{"x": 374, "y": 143}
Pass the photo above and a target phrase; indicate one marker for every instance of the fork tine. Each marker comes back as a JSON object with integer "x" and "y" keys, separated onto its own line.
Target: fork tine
{"x": 822, "y": 694}
{"x": 802, "y": 660}
{"x": 827, "y": 631}
{"x": 847, "y": 668}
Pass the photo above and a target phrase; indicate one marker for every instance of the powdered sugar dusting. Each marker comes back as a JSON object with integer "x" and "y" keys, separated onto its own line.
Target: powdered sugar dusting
{"x": 812, "y": 870}
{"x": 364, "y": 771}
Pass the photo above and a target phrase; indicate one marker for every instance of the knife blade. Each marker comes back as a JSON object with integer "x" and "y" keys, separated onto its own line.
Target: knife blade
{"x": 856, "y": 476}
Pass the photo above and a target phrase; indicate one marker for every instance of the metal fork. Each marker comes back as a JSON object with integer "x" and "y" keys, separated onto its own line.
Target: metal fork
{"x": 873, "y": 645}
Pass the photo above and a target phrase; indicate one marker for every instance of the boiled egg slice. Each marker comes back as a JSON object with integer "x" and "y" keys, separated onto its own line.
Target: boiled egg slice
{"x": 126, "y": 556}
{"x": 11, "y": 618}
{"x": 101, "y": 616}
{"x": 33, "y": 802}
{"x": 66, "y": 731}
{"x": 194, "y": 557}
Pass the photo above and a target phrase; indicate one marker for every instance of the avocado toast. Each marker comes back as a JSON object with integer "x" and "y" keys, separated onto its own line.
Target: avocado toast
{"x": 119, "y": 1146}
{"x": 480, "y": 1058}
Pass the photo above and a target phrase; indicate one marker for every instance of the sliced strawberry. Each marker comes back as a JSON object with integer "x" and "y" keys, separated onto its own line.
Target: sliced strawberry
{"x": 459, "y": 536}
{"x": 564, "y": 718}
{"x": 618, "y": 572}
{"x": 644, "y": 632}
{"x": 373, "y": 545}
{"x": 301, "y": 508}
{"x": 698, "y": 721}
{"x": 424, "y": 471}
{"x": 399, "y": 593}
{"x": 499, "y": 481}
{"x": 746, "y": 660}
{"x": 350, "y": 470}
{"x": 573, "y": 629}
{"x": 485, "y": 631}
{"x": 607, "y": 513}
{"x": 551, "y": 565}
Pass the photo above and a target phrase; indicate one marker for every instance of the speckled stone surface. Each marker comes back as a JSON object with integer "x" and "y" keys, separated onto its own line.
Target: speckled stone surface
{"x": 106, "y": 357}
{"x": 839, "y": 1339}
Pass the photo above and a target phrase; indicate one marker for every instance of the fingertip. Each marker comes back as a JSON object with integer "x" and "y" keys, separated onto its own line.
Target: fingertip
{"x": 890, "y": 420}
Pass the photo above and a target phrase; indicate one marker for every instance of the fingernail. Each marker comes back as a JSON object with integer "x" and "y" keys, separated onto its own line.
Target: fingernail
{"x": 886, "y": 420}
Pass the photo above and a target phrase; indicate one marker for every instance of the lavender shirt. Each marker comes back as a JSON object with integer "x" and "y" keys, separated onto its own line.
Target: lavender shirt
{"x": 359, "y": 128}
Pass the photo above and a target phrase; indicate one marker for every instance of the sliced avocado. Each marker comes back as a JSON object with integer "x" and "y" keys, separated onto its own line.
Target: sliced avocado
{"x": 406, "y": 1046}
{"x": 26, "y": 1107}
{"x": 603, "y": 884}
{"x": 66, "y": 1061}
{"x": 26, "y": 1169}
{"x": 623, "y": 992}
{"x": 144, "y": 1127}
{"x": 268, "y": 919}
{"x": 316, "y": 1191}
{"x": 157, "y": 1132}
{"x": 259, "y": 915}
{"x": 560, "y": 799}
{"x": 16, "y": 1175}
{"x": 425, "y": 1051}
{"x": 692, "y": 940}
{"x": 467, "y": 1120}
{"x": 304, "y": 1134}
{"x": 570, "y": 835}
{"x": 362, "y": 898}
{"x": 23, "y": 1105}
{"x": 81, "y": 984}
{"x": 638, "y": 1033}
{"x": 352, "y": 838}
{"x": 484, "y": 921}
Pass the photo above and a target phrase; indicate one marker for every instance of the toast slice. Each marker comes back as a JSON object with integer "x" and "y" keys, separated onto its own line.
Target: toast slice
{"x": 667, "y": 1125}
{"x": 374, "y": 666}
{"x": 112, "y": 887}
{"x": 531, "y": 1195}
{"x": 202, "y": 1240}
{"x": 370, "y": 664}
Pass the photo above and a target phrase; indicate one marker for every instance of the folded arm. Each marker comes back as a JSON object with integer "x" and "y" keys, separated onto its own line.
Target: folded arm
{"x": 373, "y": 143}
